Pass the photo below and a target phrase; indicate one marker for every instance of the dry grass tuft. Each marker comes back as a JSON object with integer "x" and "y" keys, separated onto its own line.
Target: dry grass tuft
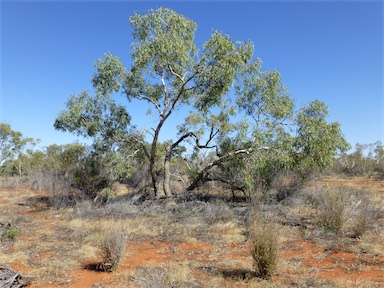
{"x": 166, "y": 276}
{"x": 346, "y": 210}
{"x": 333, "y": 207}
{"x": 112, "y": 247}
{"x": 264, "y": 247}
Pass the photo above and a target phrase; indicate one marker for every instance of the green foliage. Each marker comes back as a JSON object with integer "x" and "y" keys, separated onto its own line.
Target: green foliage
{"x": 262, "y": 95}
{"x": 100, "y": 167}
{"x": 95, "y": 117}
{"x": 109, "y": 76}
{"x": 168, "y": 73}
{"x": 89, "y": 169}
{"x": 220, "y": 61}
{"x": 108, "y": 194}
{"x": 318, "y": 142}
{"x": 11, "y": 143}
{"x": 10, "y": 233}
{"x": 367, "y": 159}
{"x": 54, "y": 159}
{"x": 165, "y": 38}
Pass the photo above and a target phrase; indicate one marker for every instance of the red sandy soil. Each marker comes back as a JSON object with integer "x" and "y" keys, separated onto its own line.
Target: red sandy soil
{"x": 330, "y": 265}
{"x": 302, "y": 257}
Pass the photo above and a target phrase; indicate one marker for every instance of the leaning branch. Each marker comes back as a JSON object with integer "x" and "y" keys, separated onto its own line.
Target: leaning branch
{"x": 225, "y": 158}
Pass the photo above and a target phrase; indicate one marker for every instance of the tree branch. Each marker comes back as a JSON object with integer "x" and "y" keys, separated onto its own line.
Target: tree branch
{"x": 166, "y": 99}
{"x": 225, "y": 158}
{"x": 157, "y": 106}
{"x": 182, "y": 89}
{"x": 133, "y": 139}
{"x": 174, "y": 73}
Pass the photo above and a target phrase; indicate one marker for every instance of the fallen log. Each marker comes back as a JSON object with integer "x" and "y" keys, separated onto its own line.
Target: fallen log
{"x": 10, "y": 278}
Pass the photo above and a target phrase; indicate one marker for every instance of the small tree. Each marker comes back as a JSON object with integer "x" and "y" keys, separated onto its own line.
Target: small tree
{"x": 11, "y": 143}
{"x": 367, "y": 159}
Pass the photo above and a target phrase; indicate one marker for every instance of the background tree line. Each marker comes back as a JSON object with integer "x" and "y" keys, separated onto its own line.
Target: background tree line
{"x": 93, "y": 168}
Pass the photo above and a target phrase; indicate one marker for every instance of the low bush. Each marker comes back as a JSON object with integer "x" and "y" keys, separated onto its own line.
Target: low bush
{"x": 112, "y": 247}
{"x": 264, "y": 247}
{"x": 333, "y": 206}
{"x": 346, "y": 210}
{"x": 362, "y": 215}
{"x": 10, "y": 233}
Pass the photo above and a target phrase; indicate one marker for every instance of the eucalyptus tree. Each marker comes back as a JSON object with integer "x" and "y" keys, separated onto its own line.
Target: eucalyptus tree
{"x": 11, "y": 142}
{"x": 170, "y": 72}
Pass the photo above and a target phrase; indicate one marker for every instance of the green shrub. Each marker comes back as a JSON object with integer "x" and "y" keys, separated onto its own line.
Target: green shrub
{"x": 10, "y": 233}
{"x": 108, "y": 194}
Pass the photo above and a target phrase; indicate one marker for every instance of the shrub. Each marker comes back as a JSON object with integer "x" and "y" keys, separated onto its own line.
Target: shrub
{"x": 112, "y": 247}
{"x": 362, "y": 215}
{"x": 286, "y": 184}
{"x": 10, "y": 233}
{"x": 346, "y": 209}
{"x": 333, "y": 206}
{"x": 108, "y": 194}
{"x": 264, "y": 248}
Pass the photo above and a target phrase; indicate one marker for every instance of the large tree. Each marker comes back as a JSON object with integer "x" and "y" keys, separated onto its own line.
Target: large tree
{"x": 236, "y": 107}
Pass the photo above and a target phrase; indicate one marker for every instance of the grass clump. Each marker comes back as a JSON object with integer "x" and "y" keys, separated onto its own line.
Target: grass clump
{"x": 333, "y": 206}
{"x": 112, "y": 247}
{"x": 346, "y": 210}
{"x": 264, "y": 248}
{"x": 10, "y": 233}
{"x": 362, "y": 215}
{"x": 165, "y": 276}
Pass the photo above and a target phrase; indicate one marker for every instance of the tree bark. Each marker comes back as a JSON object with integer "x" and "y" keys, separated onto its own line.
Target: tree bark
{"x": 167, "y": 175}
{"x": 152, "y": 160}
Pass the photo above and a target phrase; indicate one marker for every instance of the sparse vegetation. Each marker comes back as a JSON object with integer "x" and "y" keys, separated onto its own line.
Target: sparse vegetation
{"x": 112, "y": 245}
{"x": 333, "y": 206}
{"x": 219, "y": 242}
{"x": 10, "y": 233}
{"x": 166, "y": 276}
{"x": 246, "y": 203}
{"x": 345, "y": 210}
{"x": 365, "y": 160}
{"x": 264, "y": 247}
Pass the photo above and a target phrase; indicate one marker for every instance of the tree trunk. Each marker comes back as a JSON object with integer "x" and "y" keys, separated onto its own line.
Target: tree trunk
{"x": 167, "y": 175}
{"x": 152, "y": 160}
{"x": 153, "y": 175}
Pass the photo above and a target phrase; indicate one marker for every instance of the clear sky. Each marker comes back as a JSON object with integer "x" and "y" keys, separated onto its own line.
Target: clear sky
{"x": 327, "y": 50}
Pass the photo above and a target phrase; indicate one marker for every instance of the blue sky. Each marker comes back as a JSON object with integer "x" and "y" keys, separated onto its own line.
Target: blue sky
{"x": 328, "y": 50}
